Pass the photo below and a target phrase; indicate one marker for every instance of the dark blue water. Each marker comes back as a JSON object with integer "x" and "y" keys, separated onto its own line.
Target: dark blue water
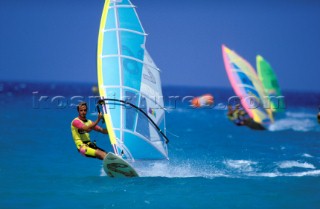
{"x": 213, "y": 164}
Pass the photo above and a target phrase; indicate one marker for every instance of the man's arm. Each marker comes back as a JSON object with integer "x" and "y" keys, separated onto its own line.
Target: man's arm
{"x": 89, "y": 127}
{"x": 101, "y": 130}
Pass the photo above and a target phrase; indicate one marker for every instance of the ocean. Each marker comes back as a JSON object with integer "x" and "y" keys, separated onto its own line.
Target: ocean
{"x": 213, "y": 163}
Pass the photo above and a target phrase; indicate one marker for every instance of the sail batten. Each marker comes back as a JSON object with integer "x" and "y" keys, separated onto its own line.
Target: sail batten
{"x": 126, "y": 30}
{"x": 122, "y": 6}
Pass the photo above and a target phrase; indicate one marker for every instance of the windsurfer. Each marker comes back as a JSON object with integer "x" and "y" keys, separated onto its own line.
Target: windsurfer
{"x": 237, "y": 116}
{"x": 80, "y": 128}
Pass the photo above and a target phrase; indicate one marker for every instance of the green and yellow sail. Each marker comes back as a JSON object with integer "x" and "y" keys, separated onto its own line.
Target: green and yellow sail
{"x": 270, "y": 84}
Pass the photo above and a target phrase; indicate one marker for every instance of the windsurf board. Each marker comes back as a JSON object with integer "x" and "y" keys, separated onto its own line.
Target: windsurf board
{"x": 115, "y": 166}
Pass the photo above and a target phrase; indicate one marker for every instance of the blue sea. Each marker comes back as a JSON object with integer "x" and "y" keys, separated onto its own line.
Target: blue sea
{"x": 213, "y": 163}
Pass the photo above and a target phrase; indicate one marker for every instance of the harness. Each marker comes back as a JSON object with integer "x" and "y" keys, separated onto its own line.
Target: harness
{"x": 90, "y": 144}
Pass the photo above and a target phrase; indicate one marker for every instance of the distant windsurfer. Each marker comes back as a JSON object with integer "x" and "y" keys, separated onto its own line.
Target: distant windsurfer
{"x": 80, "y": 128}
{"x": 237, "y": 116}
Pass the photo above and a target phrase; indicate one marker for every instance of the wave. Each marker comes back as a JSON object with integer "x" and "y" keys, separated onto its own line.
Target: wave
{"x": 241, "y": 165}
{"x": 296, "y": 121}
{"x": 292, "y": 164}
{"x": 293, "y": 174}
{"x": 307, "y": 155}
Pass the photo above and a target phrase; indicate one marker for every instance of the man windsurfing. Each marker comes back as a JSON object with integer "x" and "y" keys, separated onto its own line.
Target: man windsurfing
{"x": 80, "y": 128}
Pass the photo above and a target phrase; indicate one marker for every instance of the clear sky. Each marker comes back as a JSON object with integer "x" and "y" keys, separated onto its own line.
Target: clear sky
{"x": 45, "y": 40}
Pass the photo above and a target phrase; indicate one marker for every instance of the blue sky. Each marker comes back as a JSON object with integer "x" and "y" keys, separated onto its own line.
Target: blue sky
{"x": 44, "y": 40}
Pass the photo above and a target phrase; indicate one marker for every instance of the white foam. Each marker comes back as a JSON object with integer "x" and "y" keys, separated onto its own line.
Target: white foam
{"x": 239, "y": 169}
{"x": 291, "y": 164}
{"x": 297, "y": 121}
{"x": 102, "y": 173}
{"x": 271, "y": 175}
{"x": 240, "y": 165}
{"x": 306, "y": 173}
{"x": 294, "y": 174}
{"x": 302, "y": 125}
{"x": 183, "y": 170}
{"x": 307, "y": 155}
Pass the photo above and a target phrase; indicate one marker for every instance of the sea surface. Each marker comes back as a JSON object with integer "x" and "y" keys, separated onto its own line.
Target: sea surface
{"x": 213, "y": 163}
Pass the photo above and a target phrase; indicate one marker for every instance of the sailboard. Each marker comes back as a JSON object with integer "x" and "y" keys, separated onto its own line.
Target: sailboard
{"x": 247, "y": 87}
{"x": 115, "y": 166}
{"x": 270, "y": 84}
{"x": 129, "y": 86}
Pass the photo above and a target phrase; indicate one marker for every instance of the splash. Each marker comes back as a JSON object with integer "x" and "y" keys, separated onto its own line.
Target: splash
{"x": 296, "y": 121}
{"x": 231, "y": 169}
{"x": 102, "y": 172}
{"x": 241, "y": 165}
{"x": 178, "y": 170}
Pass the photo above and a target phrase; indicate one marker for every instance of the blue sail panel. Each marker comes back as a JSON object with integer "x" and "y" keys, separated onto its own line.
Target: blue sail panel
{"x": 110, "y": 20}
{"x": 131, "y": 73}
{"x": 111, "y": 65}
{"x": 131, "y": 44}
{"x": 129, "y": 19}
{"x": 114, "y": 109}
{"x": 111, "y": 46}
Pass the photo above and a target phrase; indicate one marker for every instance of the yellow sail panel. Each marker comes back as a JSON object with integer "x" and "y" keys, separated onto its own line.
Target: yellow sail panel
{"x": 99, "y": 68}
{"x": 100, "y": 45}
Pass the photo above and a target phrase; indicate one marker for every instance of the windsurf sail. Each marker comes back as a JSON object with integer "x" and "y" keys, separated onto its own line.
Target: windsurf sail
{"x": 130, "y": 86}
{"x": 270, "y": 84}
{"x": 247, "y": 86}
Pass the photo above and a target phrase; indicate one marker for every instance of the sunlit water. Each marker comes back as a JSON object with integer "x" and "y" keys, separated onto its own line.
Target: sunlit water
{"x": 213, "y": 164}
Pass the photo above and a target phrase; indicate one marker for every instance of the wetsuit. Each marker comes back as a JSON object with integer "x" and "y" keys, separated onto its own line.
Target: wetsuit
{"x": 82, "y": 138}
{"x": 237, "y": 117}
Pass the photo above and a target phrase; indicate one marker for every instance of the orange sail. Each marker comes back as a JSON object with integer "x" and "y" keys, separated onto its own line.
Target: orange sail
{"x": 202, "y": 101}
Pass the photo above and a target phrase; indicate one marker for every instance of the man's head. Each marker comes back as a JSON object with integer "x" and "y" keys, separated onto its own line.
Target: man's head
{"x": 82, "y": 110}
{"x": 82, "y": 104}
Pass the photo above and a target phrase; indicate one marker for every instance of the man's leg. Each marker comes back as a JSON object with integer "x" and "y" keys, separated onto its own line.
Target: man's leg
{"x": 100, "y": 154}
